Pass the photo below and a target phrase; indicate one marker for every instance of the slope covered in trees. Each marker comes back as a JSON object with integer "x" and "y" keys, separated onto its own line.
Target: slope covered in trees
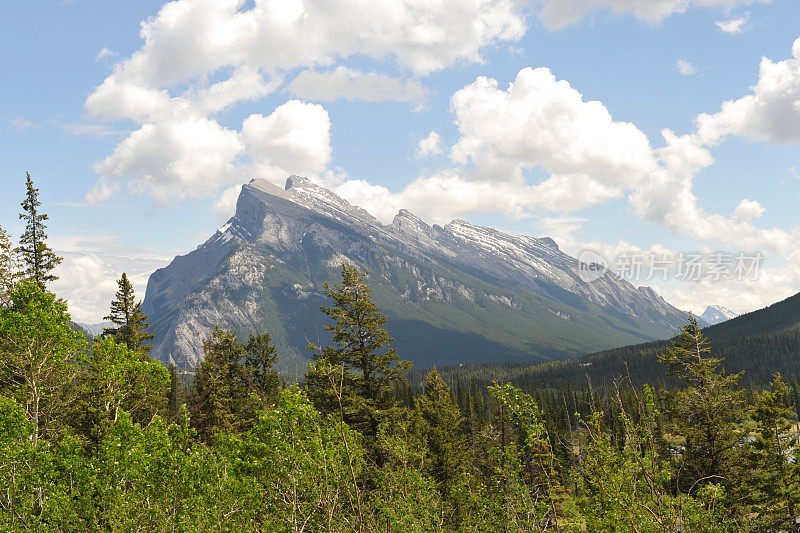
{"x": 759, "y": 343}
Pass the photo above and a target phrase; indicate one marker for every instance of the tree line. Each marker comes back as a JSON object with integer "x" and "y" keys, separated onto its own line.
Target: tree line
{"x": 97, "y": 436}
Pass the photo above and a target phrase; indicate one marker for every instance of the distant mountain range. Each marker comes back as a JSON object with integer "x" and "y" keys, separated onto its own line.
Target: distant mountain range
{"x": 454, "y": 294}
{"x": 759, "y": 343}
{"x": 714, "y": 314}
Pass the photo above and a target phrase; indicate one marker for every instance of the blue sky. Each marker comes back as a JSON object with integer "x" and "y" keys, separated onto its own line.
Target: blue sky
{"x": 138, "y": 139}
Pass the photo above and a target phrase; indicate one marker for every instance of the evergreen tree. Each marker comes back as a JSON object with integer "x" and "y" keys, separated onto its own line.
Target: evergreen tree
{"x": 355, "y": 376}
{"x": 9, "y": 268}
{"x": 39, "y": 259}
{"x": 176, "y": 396}
{"x": 706, "y": 411}
{"x": 773, "y": 484}
{"x": 442, "y": 426}
{"x": 231, "y": 372}
{"x": 130, "y": 324}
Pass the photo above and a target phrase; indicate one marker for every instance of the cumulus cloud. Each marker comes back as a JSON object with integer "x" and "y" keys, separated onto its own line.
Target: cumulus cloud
{"x": 543, "y": 122}
{"x": 354, "y": 85}
{"x": 732, "y": 26}
{"x": 685, "y": 68}
{"x": 771, "y": 113}
{"x": 201, "y": 57}
{"x": 429, "y": 146}
{"x": 187, "y": 155}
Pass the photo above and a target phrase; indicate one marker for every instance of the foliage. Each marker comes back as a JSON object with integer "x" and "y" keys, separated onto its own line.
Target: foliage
{"x": 40, "y": 356}
{"x": 9, "y": 268}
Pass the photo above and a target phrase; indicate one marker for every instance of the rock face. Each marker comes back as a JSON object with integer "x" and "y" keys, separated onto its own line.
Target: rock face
{"x": 714, "y": 314}
{"x": 453, "y": 294}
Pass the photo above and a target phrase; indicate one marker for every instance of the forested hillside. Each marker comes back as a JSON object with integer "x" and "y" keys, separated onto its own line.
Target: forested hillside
{"x": 759, "y": 343}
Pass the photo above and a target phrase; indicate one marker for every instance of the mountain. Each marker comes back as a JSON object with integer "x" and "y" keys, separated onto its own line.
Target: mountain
{"x": 714, "y": 314}
{"x": 759, "y": 343}
{"x": 453, "y": 294}
{"x": 94, "y": 330}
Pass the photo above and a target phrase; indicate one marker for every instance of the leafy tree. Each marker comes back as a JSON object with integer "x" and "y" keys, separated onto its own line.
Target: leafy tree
{"x": 130, "y": 324}
{"x": 40, "y": 356}
{"x": 9, "y": 268}
{"x": 773, "y": 481}
{"x": 362, "y": 358}
{"x": 706, "y": 412}
{"x": 119, "y": 379}
{"x": 39, "y": 260}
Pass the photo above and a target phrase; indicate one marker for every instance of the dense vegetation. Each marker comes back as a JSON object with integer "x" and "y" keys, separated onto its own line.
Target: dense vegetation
{"x": 97, "y": 436}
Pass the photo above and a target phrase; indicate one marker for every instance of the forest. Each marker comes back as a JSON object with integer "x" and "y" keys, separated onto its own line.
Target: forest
{"x": 97, "y": 436}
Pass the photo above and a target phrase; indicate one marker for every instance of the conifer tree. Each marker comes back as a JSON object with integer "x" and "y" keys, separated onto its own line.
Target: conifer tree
{"x": 176, "y": 396}
{"x": 230, "y": 373}
{"x": 706, "y": 411}
{"x": 773, "y": 484}
{"x": 362, "y": 359}
{"x": 39, "y": 259}
{"x": 130, "y": 324}
{"x": 442, "y": 426}
{"x": 9, "y": 268}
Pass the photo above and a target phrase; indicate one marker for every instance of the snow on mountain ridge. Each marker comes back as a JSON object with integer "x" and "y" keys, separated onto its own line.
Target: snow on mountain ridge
{"x": 714, "y": 314}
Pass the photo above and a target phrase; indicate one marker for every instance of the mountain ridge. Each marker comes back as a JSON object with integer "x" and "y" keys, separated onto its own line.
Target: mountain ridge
{"x": 266, "y": 268}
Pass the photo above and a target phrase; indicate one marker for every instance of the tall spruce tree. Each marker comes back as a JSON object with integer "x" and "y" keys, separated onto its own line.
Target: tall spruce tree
{"x": 706, "y": 412}
{"x": 355, "y": 376}
{"x": 9, "y": 268}
{"x": 130, "y": 324}
{"x": 442, "y": 429}
{"x": 773, "y": 482}
{"x": 39, "y": 259}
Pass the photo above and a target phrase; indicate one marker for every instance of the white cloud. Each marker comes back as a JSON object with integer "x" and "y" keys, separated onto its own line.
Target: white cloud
{"x": 355, "y": 85}
{"x": 200, "y": 57}
{"x": 294, "y": 138}
{"x": 685, "y": 67}
{"x": 732, "y": 26}
{"x": 103, "y": 54}
{"x": 544, "y": 122}
{"x": 187, "y": 155}
{"x": 177, "y": 157}
{"x": 92, "y": 264}
{"x": 557, "y": 14}
{"x": 429, "y": 146}
{"x": 747, "y": 210}
{"x": 771, "y": 113}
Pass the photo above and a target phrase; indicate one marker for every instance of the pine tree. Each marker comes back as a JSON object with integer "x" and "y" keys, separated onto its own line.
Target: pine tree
{"x": 355, "y": 376}
{"x": 705, "y": 412}
{"x": 130, "y": 324}
{"x": 39, "y": 259}
{"x": 9, "y": 268}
